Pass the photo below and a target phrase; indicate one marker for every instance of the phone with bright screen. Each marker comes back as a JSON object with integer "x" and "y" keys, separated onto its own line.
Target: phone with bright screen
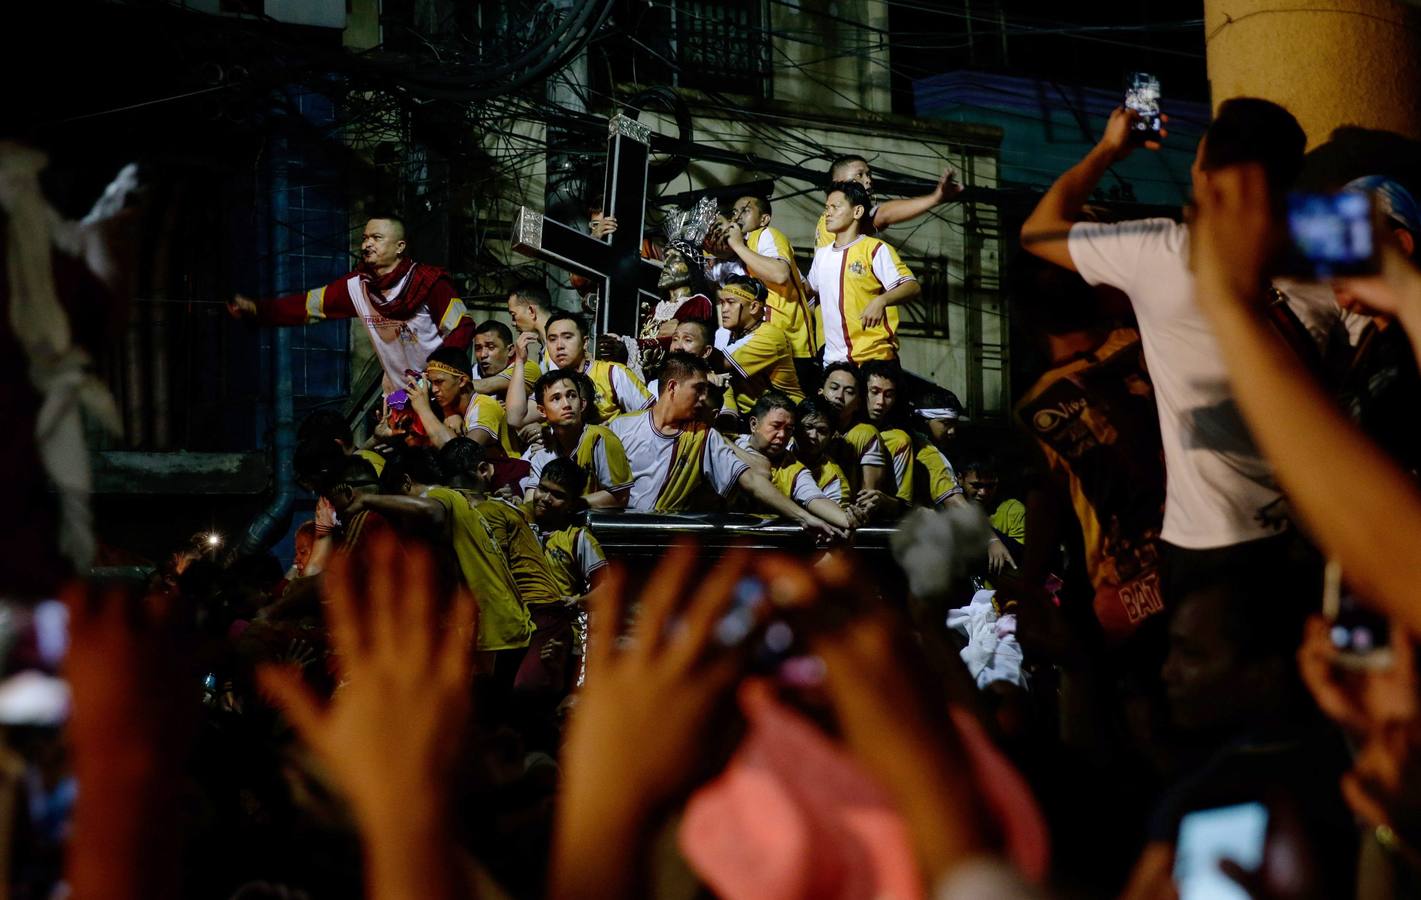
{"x": 1209, "y": 836}
{"x": 1142, "y": 95}
{"x": 1332, "y": 233}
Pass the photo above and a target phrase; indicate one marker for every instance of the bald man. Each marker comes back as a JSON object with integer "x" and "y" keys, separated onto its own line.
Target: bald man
{"x": 410, "y": 309}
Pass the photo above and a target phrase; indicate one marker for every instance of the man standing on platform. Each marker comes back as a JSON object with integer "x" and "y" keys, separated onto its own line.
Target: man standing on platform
{"x": 765, "y": 253}
{"x": 860, "y": 282}
{"x": 410, "y": 309}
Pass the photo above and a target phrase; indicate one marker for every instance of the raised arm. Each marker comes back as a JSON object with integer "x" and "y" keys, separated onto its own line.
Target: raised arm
{"x": 773, "y": 272}
{"x": 891, "y": 212}
{"x": 1045, "y": 231}
{"x": 329, "y": 302}
{"x": 416, "y": 509}
{"x": 1374, "y": 526}
{"x": 515, "y": 402}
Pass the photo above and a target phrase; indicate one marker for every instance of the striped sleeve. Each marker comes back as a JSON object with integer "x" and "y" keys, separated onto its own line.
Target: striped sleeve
{"x": 889, "y": 268}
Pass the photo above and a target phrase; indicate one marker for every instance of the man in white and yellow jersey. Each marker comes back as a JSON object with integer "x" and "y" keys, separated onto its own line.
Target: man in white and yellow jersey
{"x": 857, "y": 447}
{"x": 564, "y": 397}
{"x": 886, "y": 404}
{"x": 766, "y": 447}
{"x": 765, "y": 254}
{"x": 618, "y": 389}
{"x": 760, "y": 356}
{"x": 860, "y": 281}
{"x": 673, "y": 454}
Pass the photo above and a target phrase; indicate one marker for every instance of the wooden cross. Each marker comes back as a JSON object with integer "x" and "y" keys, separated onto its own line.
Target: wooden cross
{"x": 614, "y": 261}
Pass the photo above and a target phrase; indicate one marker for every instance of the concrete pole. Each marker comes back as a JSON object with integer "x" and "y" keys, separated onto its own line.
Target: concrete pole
{"x": 1334, "y": 63}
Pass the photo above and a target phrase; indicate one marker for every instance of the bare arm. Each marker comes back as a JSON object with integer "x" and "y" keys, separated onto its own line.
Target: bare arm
{"x": 419, "y": 509}
{"x": 608, "y": 499}
{"x": 1372, "y": 527}
{"x": 520, "y": 411}
{"x": 773, "y": 272}
{"x": 873, "y": 313}
{"x": 891, "y": 212}
{"x": 830, "y": 512}
{"x": 878, "y": 478}
{"x": 1045, "y": 231}
{"x": 764, "y": 492}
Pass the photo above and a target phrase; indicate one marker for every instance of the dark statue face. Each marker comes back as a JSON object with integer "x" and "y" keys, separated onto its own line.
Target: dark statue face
{"x": 676, "y": 272}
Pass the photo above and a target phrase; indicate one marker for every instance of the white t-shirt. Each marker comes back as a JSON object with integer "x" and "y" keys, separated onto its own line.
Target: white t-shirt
{"x": 652, "y": 456}
{"x": 1219, "y": 489}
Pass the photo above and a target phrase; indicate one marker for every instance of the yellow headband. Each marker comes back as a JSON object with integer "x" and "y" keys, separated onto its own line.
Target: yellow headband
{"x": 445, "y": 368}
{"x": 741, "y": 292}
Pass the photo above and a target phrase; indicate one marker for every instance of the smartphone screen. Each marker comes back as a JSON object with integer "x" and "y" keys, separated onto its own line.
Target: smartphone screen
{"x": 1360, "y": 634}
{"x": 1332, "y": 233}
{"x": 1209, "y": 836}
{"x": 1142, "y": 95}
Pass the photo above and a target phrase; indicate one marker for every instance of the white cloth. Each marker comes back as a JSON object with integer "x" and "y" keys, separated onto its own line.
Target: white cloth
{"x": 992, "y": 653}
{"x": 1219, "y": 490}
{"x": 652, "y": 456}
{"x": 58, "y": 369}
{"x": 401, "y": 344}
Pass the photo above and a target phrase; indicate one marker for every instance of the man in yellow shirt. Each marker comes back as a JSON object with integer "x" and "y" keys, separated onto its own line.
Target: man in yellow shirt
{"x": 759, "y": 357}
{"x": 857, "y": 449}
{"x": 673, "y": 454}
{"x": 765, "y": 254}
{"x": 767, "y": 447}
{"x": 860, "y": 282}
{"x": 493, "y": 355}
{"x": 564, "y": 398}
{"x": 935, "y": 481}
{"x": 460, "y": 411}
{"x": 886, "y": 406}
{"x": 618, "y": 389}
{"x": 980, "y": 481}
{"x": 814, "y": 434}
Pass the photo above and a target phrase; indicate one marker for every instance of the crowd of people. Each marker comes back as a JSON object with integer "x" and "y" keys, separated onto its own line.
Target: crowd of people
{"x": 1187, "y": 618}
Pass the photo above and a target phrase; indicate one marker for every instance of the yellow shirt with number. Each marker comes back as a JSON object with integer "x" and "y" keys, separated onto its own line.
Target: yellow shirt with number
{"x": 790, "y": 310}
{"x": 762, "y": 360}
{"x": 504, "y": 623}
{"x": 847, "y": 279}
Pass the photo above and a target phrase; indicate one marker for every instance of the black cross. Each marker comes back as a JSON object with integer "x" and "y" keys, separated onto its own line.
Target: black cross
{"x": 615, "y": 260}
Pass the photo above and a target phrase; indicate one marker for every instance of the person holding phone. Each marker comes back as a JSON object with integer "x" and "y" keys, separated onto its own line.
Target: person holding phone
{"x": 1220, "y": 499}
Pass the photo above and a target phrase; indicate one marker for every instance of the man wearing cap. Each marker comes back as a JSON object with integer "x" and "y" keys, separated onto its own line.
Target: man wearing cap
{"x": 1381, "y": 383}
{"x": 409, "y": 309}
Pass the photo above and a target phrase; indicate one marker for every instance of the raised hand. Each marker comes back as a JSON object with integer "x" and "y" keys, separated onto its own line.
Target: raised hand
{"x": 241, "y": 307}
{"x": 1233, "y": 236}
{"x": 638, "y": 735}
{"x": 948, "y": 187}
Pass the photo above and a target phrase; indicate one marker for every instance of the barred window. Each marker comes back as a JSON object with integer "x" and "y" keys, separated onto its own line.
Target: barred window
{"x": 724, "y": 45}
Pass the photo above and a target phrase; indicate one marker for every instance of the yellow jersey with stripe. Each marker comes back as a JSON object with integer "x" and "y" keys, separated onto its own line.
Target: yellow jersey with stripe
{"x": 486, "y": 414}
{"x": 847, "y": 279}
{"x": 525, "y": 555}
{"x": 1009, "y": 518}
{"x": 934, "y": 478}
{"x": 790, "y": 310}
{"x": 574, "y": 556}
{"x": 531, "y": 371}
{"x": 504, "y": 622}
{"x": 762, "y": 360}
{"x": 789, "y": 475}
{"x": 831, "y": 480}
{"x": 599, "y": 453}
{"x": 858, "y": 447}
{"x": 898, "y": 445}
{"x": 669, "y": 469}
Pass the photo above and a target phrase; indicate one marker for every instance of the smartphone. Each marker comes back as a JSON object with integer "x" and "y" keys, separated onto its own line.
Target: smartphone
{"x": 1361, "y": 636}
{"x": 34, "y": 640}
{"x": 1209, "y": 836}
{"x": 1142, "y": 96}
{"x": 1332, "y": 234}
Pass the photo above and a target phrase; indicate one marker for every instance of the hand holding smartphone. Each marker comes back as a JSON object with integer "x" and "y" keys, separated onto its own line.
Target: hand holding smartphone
{"x": 1361, "y": 636}
{"x": 1332, "y": 234}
